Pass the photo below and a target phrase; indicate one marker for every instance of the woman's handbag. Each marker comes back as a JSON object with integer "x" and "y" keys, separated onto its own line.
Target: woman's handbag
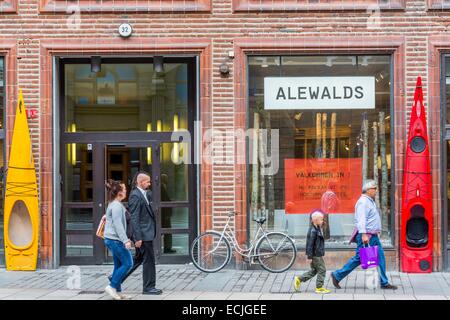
{"x": 369, "y": 257}
{"x": 101, "y": 227}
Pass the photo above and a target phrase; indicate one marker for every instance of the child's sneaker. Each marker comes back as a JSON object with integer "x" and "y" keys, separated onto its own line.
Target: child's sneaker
{"x": 297, "y": 282}
{"x": 322, "y": 290}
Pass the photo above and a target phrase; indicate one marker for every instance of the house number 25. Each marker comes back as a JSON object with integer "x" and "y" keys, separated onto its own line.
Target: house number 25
{"x": 125, "y": 30}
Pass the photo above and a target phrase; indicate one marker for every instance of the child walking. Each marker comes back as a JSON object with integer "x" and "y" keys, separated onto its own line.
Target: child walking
{"x": 315, "y": 250}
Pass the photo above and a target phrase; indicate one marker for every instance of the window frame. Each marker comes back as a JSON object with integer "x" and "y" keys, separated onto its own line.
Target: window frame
{"x": 445, "y": 138}
{"x": 118, "y": 6}
{"x": 338, "y": 247}
{"x": 438, "y": 5}
{"x": 8, "y": 6}
{"x": 308, "y": 5}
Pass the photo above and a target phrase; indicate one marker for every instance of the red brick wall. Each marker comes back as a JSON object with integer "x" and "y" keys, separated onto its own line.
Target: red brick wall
{"x": 223, "y": 100}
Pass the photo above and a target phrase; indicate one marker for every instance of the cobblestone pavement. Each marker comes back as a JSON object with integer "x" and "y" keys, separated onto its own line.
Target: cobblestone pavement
{"x": 186, "y": 282}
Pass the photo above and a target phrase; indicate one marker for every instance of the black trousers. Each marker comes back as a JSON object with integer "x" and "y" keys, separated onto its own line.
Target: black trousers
{"x": 148, "y": 264}
{"x": 145, "y": 256}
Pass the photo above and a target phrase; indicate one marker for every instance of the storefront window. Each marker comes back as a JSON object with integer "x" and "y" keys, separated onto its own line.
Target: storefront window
{"x": 125, "y": 97}
{"x": 448, "y": 194}
{"x": 333, "y": 114}
{"x": 2, "y": 160}
{"x": 447, "y": 93}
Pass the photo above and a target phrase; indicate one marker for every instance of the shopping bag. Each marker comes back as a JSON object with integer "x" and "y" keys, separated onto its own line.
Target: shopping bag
{"x": 101, "y": 228}
{"x": 369, "y": 257}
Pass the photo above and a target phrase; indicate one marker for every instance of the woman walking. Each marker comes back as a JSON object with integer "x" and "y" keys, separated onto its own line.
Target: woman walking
{"x": 116, "y": 239}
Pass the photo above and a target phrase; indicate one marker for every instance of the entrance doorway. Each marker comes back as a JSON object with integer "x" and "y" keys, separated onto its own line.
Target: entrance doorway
{"x": 89, "y": 157}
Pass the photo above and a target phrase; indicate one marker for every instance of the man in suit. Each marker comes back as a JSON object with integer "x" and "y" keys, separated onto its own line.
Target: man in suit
{"x": 143, "y": 222}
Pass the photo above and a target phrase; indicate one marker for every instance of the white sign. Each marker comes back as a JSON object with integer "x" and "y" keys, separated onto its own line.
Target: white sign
{"x": 282, "y": 93}
{"x": 125, "y": 30}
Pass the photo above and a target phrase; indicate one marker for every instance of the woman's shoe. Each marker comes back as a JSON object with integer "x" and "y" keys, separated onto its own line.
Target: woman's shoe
{"x": 124, "y": 296}
{"x": 297, "y": 283}
{"x": 112, "y": 292}
{"x": 322, "y": 290}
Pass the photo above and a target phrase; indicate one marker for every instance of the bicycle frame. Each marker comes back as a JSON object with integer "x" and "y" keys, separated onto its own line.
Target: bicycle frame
{"x": 230, "y": 235}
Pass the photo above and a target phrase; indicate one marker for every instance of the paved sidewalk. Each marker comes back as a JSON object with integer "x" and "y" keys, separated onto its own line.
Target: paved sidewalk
{"x": 185, "y": 282}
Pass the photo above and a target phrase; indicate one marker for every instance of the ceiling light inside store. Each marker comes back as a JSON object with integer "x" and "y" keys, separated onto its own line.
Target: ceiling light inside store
{"x": 158, "y": 64}
{"x": 298, "y": 116}
{"x": 264, "y": 63}
{"x": 365, "y": 62}
{"x": 96, "y": 64}
{"x": 329, "y": 62}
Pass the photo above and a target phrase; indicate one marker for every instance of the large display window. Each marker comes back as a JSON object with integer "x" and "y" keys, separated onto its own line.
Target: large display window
{"x": 333, "y": 116}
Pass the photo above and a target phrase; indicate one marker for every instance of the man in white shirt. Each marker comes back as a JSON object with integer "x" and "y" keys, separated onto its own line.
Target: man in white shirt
{"x": 143, "y": 221}
{"x": 367, "y": 231}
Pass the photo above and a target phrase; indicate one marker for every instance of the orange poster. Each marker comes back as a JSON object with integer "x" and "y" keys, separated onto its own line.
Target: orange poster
{"x": 333, "y": 185}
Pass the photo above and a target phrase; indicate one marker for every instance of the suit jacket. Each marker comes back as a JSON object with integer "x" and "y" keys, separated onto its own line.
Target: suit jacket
{"x": 143, "y": 219}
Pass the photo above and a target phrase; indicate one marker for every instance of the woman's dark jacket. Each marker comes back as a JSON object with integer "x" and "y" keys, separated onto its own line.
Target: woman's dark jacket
{"x": 315, "y": 242}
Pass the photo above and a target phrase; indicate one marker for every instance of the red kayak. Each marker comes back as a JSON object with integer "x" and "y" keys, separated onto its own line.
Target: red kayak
{"x": 416, "y": 240}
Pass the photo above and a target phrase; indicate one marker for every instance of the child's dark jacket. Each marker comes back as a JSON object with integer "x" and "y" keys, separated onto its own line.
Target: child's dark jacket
{"x": 315, "y": 242}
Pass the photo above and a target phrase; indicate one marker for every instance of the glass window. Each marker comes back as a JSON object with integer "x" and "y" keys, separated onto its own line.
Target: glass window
{"x": 448, "y": 193}
{"x": 447, "y": 94}
{"x": 2, "y": 159}
{"x": 125, "y": 97}
{"x": 323, "y": 153}
{"x": 78, "y": 173}
{"x": 175, "y": 244}
{"x": 313, "y": 5}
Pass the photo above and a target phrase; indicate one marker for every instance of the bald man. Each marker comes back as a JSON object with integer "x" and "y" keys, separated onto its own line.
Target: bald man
{"x": 143, "y": 222}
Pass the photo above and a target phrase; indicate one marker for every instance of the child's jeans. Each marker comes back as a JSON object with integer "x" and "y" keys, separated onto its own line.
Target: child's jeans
{"x": 317, "y": 267}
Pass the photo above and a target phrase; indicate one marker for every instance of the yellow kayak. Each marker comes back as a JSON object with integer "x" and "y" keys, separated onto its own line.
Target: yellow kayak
{"x": 21, "y": 210}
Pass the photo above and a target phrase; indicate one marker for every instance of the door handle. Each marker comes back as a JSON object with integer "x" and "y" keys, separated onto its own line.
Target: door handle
{"x": 157, "y": 180}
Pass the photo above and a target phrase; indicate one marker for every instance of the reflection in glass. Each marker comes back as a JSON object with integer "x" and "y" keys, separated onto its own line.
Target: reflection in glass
{"x": 319, "y": 134}
{"x": 123, "y": 163}
{"x": 174, "y": 177}
{"x": 79, "y": 245}
{"x": 78, "y": 173}
{"x": 125, "y": 97}
{"x": 179, "y": 244}
{"x": 78, "y": 219}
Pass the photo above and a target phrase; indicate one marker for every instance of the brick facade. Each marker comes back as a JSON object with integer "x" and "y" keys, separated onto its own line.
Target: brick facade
{"x": 415, "y": 32}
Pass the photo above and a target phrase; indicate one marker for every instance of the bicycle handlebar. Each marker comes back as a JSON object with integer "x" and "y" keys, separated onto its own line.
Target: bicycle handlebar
{"x": 232, "y": 213}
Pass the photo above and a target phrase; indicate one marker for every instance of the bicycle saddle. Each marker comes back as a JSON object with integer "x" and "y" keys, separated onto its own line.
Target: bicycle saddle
{"x": 260, "y": 220}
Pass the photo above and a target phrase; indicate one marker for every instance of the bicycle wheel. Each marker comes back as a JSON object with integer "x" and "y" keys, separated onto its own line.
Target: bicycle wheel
{"x": 276, "y": 252}
{"x": 210, "y": 252}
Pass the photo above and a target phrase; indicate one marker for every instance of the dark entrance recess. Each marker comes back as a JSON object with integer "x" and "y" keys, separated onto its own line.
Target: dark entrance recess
{"x": 142, "y": 108}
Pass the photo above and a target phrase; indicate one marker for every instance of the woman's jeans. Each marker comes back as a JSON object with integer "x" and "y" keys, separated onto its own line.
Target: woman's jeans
{"x": 355, "y": 261}
{"x": 123, "y": 262}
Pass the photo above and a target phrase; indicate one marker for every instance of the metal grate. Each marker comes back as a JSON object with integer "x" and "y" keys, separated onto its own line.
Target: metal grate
{"x": 91, "y": 292}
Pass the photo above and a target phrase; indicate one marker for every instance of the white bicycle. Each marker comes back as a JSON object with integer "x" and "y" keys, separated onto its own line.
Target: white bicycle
{"x": 274, "y": 251}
